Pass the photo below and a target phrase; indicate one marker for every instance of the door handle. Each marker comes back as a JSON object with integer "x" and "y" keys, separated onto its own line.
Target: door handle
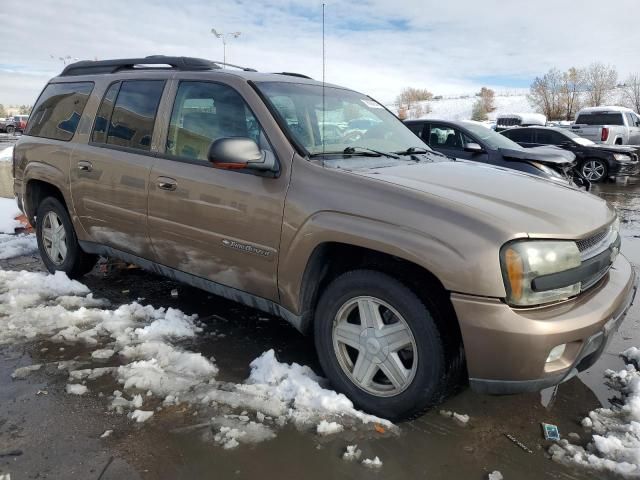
{"x": 166, "y": 183}
{"x": 85, "y": 166}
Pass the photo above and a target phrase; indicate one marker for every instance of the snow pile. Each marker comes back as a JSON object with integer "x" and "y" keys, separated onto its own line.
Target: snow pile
{"x": 6, "y": 155}
{"x": 328, "y": 428}
{"x": 8, "y": 212}
{"x": 375, "y": 463}
{"x": 495, "y": 475}
{"x": 615, "y": 445}
{"x": 146, "y": 342}
{"x": 352, "y": 453}
{"x": 16, "y": 245}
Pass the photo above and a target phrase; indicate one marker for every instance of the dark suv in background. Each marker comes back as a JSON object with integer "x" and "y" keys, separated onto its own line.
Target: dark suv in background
{"x": 596, "y": 161}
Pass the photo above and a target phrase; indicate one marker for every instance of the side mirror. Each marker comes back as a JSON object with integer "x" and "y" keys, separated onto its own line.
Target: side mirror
{"x": 235, "y": 153}
{"x": 473, "y": 147}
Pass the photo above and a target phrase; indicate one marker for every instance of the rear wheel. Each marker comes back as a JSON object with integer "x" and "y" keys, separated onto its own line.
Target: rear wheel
{"x": 57, "y": 241}
{"x": 379, "y": 344}
{"x": 594, "y": 170}
{"x": 10, "y": 129}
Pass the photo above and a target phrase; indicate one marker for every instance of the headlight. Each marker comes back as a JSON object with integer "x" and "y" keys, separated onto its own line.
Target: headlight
{"x": 523, "y": 261}
{"x": 621, "y": 157}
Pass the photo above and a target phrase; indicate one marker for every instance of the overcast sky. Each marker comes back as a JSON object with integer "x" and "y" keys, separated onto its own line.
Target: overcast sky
{"x": 376, "y": 46}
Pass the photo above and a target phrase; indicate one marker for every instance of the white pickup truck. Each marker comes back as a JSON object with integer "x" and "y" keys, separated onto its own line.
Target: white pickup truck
{"x": 609, "y": 125}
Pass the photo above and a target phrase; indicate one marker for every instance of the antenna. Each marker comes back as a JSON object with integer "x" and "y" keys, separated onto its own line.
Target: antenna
{"x": 323, "y": 69}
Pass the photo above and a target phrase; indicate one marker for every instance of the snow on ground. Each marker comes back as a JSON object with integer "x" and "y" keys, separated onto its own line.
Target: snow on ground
{"x": 372, "y": 463}
{"x": 8, "y": 212}
{"x": 615, "y": 445}
{"x": 495, "y": 475}
{"x": 6, "y": 155}
{"x": 16, "y": 245}
{"x": 149, "y": 344}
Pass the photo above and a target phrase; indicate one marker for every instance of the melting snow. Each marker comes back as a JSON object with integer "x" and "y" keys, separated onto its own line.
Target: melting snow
{"x": 17, "y": 245}
{"x": 615, "y": 445}
{"x": 38, "y": 305}
{"x": 495, "y": 475}
{"x": 352, "y": 453}
{"x": 8, "y": 212}
{"x": 375, "y": 463}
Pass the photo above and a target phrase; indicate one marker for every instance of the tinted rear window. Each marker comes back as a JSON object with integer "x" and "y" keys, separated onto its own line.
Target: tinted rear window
{"x": 518, "y": 135}
{"x": 58, "y": 111}
{"x": 600, "y": 119}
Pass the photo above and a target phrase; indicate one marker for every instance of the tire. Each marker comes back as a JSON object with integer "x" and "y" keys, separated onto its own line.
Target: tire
{"x": 10, "y": 129}
{"x": 594, "y": 170}
{"x": 366, "y": 383}
{"x": 57, "y": 241}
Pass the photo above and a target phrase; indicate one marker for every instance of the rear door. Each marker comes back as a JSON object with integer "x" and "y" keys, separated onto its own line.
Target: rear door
{"x": 110, "y": 174}
{"x": 522, "y": 136}
{"x": 221, "y": 225}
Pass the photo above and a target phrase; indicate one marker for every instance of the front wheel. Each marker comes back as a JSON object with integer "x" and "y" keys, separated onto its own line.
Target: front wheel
{"x": 378, "y": 344}
{"x": 594, "y": 170}
{"x": 10, "y": 129}
{"x": 57, "y": 241}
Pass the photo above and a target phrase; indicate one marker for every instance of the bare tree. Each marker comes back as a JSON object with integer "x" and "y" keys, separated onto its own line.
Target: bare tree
{"x": 600, "y": 79}
{"x": 411, "y": 95}
{"x": 631, "y": 92}
{"x": 479, "y": 111}
{"x": 545, "y": 94}
{"x": 572, "y": 84}
{"x": 487, "y": 97}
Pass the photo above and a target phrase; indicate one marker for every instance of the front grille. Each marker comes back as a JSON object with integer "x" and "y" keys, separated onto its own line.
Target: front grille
{"x": 593, "y": 241}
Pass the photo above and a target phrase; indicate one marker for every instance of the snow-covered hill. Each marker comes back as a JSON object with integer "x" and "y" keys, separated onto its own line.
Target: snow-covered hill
{"x": 459, "y": 108}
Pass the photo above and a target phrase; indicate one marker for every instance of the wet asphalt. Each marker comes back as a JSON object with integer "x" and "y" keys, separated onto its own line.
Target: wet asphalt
{"x": 47, "y": 434}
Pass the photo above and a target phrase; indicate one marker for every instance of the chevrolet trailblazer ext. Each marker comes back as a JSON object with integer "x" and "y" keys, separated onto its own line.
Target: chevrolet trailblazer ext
{"x": 412, "y": 271}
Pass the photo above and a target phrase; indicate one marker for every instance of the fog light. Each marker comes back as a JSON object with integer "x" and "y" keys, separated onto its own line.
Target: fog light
{"x": 556, "y": 353}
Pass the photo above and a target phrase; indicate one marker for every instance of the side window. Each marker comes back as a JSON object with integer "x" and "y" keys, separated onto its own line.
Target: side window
{"x": 58, "y": 111}
{"x": 103, "y": 116}
{"x": 416, "y": 128}
{"x": 631, "y": 120}
{"x": 441, "y": 136}
{"x": 549, "y": 137}
{"x": 519, "y": 135}
{"x": 132, "y": 116}
{"x": 202, "y": 113}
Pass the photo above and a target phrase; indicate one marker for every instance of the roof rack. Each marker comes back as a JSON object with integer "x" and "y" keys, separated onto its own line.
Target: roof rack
{"x": 89, "y": 67}
{"x": 293, "y": 74}
{"x": 246, "y": 69}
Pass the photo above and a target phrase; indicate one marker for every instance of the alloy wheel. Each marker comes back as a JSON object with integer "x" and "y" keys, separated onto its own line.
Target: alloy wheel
{"x": 593, "y": 170}
{"x": 375, "y": 346}
{"x": 54, "y": 238}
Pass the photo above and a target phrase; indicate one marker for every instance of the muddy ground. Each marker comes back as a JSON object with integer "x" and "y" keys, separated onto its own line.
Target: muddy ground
{"x": 45, "y": 433}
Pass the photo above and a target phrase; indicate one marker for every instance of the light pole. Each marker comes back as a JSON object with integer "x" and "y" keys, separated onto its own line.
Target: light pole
{"x": 224, "y": 37}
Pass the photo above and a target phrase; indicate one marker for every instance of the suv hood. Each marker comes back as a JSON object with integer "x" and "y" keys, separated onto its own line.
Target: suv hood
{"x": 551, "y": 156}
{"x": 514, "y": 202}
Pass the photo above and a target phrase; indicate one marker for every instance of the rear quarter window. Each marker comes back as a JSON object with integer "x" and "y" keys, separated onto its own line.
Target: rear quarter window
{"x": 57, "y": 113}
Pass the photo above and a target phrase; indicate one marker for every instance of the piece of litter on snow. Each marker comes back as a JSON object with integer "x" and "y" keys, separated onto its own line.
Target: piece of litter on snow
{"x": 550, "y": 431}
{"x": 140, "y": 416}
{"x": 76, "y": 389}
{"x": 106, "y": 433}
{"x": 518, "y": 443}
{"x": 327, "y": 428}
{"x": 375, "y": 463}
{"x": 352, "y": 453}
{"x": 495, "y": 475}
{"x": 379, "y": 428}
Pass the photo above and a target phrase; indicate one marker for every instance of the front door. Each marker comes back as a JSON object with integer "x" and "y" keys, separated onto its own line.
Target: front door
{"x": 220, "y": 225}
{"x": 450, "y": 141}
{"x": 110, "y": 174}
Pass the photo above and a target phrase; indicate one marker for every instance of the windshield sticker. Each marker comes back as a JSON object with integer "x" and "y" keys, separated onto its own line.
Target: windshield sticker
{"x": 370, "y": 103}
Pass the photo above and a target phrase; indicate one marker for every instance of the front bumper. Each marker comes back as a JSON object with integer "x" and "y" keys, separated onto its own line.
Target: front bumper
{"x": 624, "y": 169}
{"x": 507, "y": 349}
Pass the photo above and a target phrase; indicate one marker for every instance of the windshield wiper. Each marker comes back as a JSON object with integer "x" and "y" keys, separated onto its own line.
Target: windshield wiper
{"x": 358, "y": 151}
{"x": 414, "y": 151}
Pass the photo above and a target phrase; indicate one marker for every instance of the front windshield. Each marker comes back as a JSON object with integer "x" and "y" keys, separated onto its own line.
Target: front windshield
{"x": 490, "y": 137}
{"x": 343, "y": 119}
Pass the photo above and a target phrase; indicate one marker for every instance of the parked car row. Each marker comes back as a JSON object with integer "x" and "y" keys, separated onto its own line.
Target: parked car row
{"x": 414, "y": 272}
{"x": 15, "y": 123}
